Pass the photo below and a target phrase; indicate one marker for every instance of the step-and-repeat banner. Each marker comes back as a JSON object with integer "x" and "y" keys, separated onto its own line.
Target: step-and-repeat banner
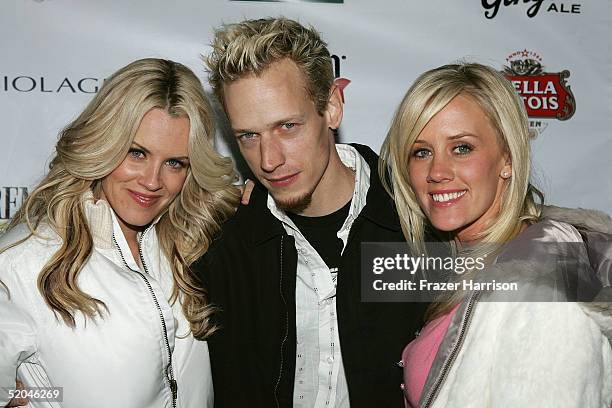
{"x": 55, "y": 55}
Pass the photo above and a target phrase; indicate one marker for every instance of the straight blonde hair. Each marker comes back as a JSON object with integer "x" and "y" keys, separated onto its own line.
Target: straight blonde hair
{"x": 92, "y": 146}
{"x": 427, "y": 96}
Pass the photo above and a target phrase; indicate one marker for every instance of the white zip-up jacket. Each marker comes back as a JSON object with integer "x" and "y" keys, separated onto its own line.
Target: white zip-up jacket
{"x": 128, "y": 357}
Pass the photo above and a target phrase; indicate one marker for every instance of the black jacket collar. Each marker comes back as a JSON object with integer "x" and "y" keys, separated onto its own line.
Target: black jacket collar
{"x": 380, "y": 207}
{"x": 260, "y": 225}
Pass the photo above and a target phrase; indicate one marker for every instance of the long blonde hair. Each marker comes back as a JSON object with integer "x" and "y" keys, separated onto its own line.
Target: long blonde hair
{"x": 92, "y": 146}
{"x": 428, "y": 95}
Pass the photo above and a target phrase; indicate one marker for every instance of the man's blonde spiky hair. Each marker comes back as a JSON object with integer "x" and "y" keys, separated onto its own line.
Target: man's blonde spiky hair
{"x": 249, "y": 47}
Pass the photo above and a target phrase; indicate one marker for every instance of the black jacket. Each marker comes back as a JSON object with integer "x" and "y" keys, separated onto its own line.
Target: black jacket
{"x": 250, "y": 273}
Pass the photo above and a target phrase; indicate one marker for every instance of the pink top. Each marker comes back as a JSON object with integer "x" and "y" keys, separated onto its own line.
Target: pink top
{"x": 419, "y": 354}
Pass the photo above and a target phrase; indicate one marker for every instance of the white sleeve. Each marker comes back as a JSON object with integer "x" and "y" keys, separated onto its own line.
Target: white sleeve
{"x": 551, "y": 355}
{"x": 17, "y": 342}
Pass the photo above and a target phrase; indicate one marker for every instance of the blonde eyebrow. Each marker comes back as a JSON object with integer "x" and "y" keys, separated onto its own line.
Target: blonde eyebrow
{"x": 288, "y": 119}
{"x": 462, "y": 134}
{"x": 453, "y": 137}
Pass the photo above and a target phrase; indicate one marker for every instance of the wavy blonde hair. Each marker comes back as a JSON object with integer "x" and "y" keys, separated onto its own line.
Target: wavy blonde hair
{"x": 92, "y": 146}
{"x": 427, "y": 96}
{"x": 251, "y": 46}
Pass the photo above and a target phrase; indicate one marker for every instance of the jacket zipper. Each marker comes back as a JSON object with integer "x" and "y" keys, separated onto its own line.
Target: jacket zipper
{"x": 169, "y": 372}
{"x": 280, "y": 374}
{"x": 465, "y": 324}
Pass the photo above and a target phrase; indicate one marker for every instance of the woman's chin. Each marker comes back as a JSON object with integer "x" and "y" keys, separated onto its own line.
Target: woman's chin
{"x": 446, "y": 225}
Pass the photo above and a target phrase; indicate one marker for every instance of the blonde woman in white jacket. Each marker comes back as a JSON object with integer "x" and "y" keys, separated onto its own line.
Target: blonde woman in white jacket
{"x": 97, "y": 299}
{"x": 457, "y": 155}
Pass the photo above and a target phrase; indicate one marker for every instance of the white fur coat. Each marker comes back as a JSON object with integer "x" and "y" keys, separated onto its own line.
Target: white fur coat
{"x": 531, "y": 354}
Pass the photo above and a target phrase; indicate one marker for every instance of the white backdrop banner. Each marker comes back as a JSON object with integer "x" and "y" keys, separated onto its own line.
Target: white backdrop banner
{"x": 56, "y": 54}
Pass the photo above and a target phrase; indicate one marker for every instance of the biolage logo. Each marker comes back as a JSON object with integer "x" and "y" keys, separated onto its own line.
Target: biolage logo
{"x": 11, "y": 199}
{"x": 546, "y": 95}
{"x": 42, "y": 84}
{"x": 492, "y": 7}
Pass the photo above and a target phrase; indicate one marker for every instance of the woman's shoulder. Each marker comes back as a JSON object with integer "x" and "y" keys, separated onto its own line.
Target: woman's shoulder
{"x": 21, "y": 236}
{"x": 20, "y": 248}
{"x": 542, "y": 242}
{"x": 551, "y": 231}
{"x": 579, "y": 218}
{"x": 547, "y": 262}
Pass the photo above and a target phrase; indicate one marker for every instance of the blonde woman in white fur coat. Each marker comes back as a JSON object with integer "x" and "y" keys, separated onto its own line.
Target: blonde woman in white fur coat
{"x": 457, "y": 157}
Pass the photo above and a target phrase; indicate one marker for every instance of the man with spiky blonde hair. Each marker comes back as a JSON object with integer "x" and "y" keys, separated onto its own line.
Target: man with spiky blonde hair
{"x": 285, "y": 270}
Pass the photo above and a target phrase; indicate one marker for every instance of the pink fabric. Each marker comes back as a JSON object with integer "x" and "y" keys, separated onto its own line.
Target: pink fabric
{"x": 418, "y": 356}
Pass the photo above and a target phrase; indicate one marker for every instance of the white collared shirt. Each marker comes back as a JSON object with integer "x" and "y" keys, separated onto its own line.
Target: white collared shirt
{"x": 319, "y": 373}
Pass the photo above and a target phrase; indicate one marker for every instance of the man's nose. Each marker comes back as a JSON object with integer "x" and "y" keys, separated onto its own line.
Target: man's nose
{"x": 272, "y": 155}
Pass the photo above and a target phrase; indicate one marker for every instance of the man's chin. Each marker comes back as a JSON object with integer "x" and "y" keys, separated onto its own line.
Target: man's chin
{"x": 295, "y": 204}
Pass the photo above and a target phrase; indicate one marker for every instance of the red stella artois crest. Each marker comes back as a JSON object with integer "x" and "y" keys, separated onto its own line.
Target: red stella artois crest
{"x": 546, "y": 94}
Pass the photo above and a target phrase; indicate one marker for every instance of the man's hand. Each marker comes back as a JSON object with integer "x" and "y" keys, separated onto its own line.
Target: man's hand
{"x": 18, "y": 402}
{"x": 246, "y": 190}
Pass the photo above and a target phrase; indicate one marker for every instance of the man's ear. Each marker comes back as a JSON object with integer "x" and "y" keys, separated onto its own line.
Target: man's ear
{"x": 335, "y": 108}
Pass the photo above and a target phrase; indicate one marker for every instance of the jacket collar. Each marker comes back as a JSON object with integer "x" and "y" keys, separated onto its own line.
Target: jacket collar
{"x": 261, "y": 224}
{"x": 100, "y": 218}
{"x": 379, "y": 208}
{"x": 103, "y": 223}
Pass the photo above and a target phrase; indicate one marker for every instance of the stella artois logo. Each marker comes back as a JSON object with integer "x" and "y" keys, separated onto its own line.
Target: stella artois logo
{"x": 546, "y": 94}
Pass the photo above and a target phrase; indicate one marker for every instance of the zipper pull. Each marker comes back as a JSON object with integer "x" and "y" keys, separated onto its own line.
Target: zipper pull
{"x": 173, "y": 388}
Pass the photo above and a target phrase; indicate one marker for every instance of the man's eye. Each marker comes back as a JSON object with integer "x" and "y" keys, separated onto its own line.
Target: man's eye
{"x": 246, "y": 136}
{"x": 288, "y": 126}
